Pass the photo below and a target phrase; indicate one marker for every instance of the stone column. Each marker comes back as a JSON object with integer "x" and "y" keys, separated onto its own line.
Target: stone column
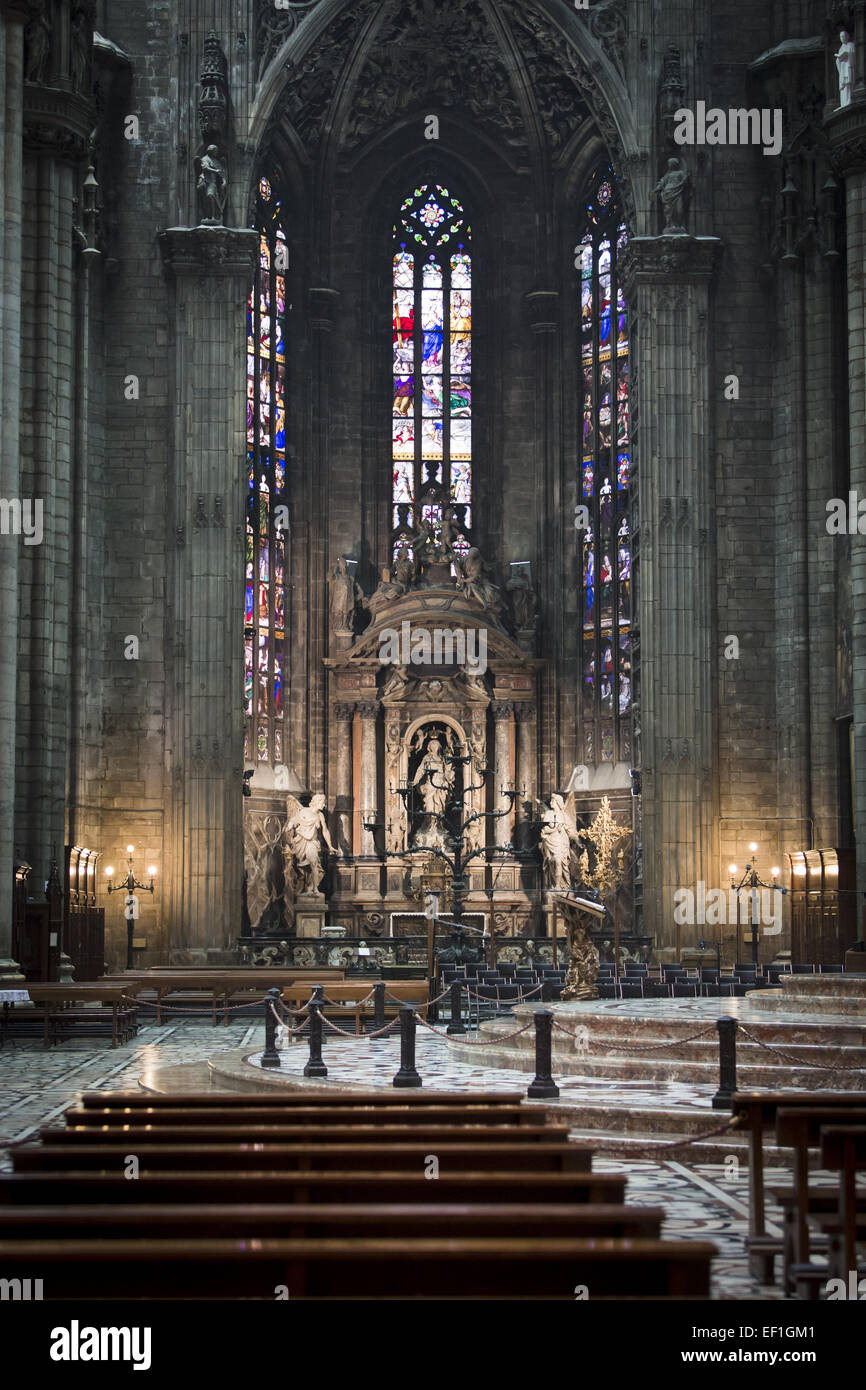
{"x": 210, "y": 268}
{"x": 368, "y": 788}
{"x": 667, "y": 281}
{"x": 11, "y": 156}
{"x": 502, "y": 775}
{"x": 846, "y": 130}
{"x": 340, "y": 776}
{"x": 58, "y": 117}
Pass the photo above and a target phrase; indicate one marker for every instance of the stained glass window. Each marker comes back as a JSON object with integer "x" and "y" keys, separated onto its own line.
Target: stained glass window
{"x": 432, "y": 369}
{"x": 266, "y": 525}
{"x": 603, "y": 479}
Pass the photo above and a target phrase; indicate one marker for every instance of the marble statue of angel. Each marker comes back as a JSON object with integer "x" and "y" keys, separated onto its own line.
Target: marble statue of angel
{"x": 560, "y": 840}
{"x": 306, "y": 831}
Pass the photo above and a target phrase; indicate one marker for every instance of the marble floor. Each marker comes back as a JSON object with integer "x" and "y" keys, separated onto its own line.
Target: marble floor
{"x": 703, "y": 1201}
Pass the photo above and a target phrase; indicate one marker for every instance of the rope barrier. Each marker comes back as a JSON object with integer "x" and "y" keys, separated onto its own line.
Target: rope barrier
{"x": 348, "y": 1003}
{"x": 426, "y": 1005}
{"x": 735, "y": 1123}
{"x": 488, "y": 1042}
{"x": 647, "y": 1047}
{"x": 800, "y": 1061}
{"x": 359, "y": 1037}
{"x": 519, "y": 1000}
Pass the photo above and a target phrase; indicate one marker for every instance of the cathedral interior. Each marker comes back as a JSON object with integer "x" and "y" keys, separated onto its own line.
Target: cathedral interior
{"x": 381, "y": 383}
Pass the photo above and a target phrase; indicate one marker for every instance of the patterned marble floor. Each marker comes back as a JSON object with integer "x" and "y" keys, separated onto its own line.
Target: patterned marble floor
{"x": 703, "y": 1201}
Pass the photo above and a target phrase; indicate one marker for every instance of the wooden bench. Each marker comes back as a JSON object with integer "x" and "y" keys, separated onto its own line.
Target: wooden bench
{"x": 353, "y": 998}
{"x": 155, "y": 1116}
{"x": 756, "y": 1111}
{"x": 304, "y": 1221}
{"x": 362, "y": 1268}
{"x": 274, "y": 1133}
{"x": 220, "y": 983}
{"x": 843, "y": 1150}
{"x": 60, "y": 1013}
{"x": 561, "y": 1157}
{"x": 65, "y": 1187}
{"x": 286, "y": 1099}
{"x": 799, "y": 1128}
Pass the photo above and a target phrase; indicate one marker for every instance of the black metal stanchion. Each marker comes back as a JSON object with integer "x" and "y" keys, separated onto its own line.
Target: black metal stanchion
{"x": 315, "y": 1066}
{"x": 270, "y": 1056}
{"x": 456, "y": 1023}
{"x": 433, "y": 1010}
{"x": 379, "y": 1005}
{"x": 407, "y": 1075}
{"x": 318, "y": 996}
{"x": 727, "y": 1063}
{"x": 543, "y": 1087}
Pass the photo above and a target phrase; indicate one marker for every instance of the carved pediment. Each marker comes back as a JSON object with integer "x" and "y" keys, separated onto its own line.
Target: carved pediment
{"x": 396, "y": 635}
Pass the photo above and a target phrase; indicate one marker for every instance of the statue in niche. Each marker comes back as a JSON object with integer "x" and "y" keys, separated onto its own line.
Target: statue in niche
{"x": 80, "y": 44}
{"x": 211, "y": 186}
{"x": 560, "y": 841}
{"x": 37, "y": 39}
{"x": 672, "y": 189}
{"x": 398, "y": 827}
{"x": 845, "y": 67}
{"x": 345, "y": 594}
{"x": 306, "y": 831}
{"x": 523, "y": 600}
{"x": 434, "y": 782}
{"x": 472, "y": 583}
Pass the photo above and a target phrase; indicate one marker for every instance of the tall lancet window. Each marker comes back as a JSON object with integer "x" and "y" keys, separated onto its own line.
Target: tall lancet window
{"x": 432, "y": 369}
{"x": 266, "y": 527}
{"x": 603, "y": 480}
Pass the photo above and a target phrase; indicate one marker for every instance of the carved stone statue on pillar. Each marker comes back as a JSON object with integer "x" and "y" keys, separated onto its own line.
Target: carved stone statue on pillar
{"x": 344, "y": 597}
{"x": 845, "y": 67}
{"x": 306, "y": 830}
{"x": 560, "y": 840}
{"x": 211, "y": 187}
{"x": 37, "y": 42}
{"x": 672, "y": 190}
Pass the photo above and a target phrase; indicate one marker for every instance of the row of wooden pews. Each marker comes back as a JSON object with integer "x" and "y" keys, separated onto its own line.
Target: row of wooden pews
{"x": 315, "y": 1194}
{"x": 826, "y": 1130}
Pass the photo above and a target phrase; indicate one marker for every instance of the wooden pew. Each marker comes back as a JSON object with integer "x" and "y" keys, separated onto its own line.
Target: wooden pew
{"x": 547, "y": 1156}
{"x": 286, "y": 1099}
{"x": 297, "y": 1116}
{"x": 66, "y": 1187}
{"x": 319, "y": 1135}
{"x": 376, "y": 1268}
{"x": 217, "y": 982}
{"x": 799, "y": 1128}
{"x": 55, "y": 997}
{"x": 756, "y": 1112}
{"x": 331, "y": 1221}
{"x": 843, "y": 1149}
{"x": 353, "y": 997}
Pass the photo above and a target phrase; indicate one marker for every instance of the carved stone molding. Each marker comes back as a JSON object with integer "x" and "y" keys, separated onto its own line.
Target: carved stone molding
{"x": 846, "y": 135}
{"x": 524, "y": 713}
{"x": 273, "y": 26}
{"x": 222, "y": 252}
{"x": 214, "y": 99}
{"x": 57, "y": 122}
{"x": 344, "y": 711}
{"x": 368, "y": 709}
{"x": 659, "y": 259}
{"x": 501, "y": 709}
